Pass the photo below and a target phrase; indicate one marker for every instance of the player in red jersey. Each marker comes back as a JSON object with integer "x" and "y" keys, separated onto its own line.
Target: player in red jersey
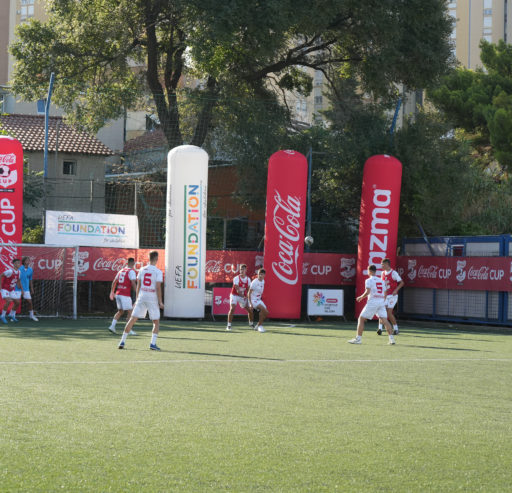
{"x": 393, "y": 284}
{"x": 239, "y": 295}
{"x": 8, "y": 281}
{"x": 122, "y": 286}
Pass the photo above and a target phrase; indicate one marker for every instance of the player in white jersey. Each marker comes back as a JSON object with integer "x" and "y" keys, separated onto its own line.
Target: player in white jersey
{"x": 239, "y": 296}
{"x": 254, "y": 296}
{"x": 375, "y": 291}
{"x": 149, "y": 299}
{"x": 393, "y": 284}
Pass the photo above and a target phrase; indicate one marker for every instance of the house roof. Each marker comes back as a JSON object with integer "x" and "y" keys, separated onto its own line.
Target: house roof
{"x": 147, "y": 141}
{"x": 29, "y": 130}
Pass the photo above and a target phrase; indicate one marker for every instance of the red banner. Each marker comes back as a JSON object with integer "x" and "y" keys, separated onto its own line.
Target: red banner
{"x": 220, "y": 303}
{"x": 11, "y": 199}
{"x": 468, "y": 273}
{"x": 101, "y": 264}
{"x": 378, "y": 220}
{"x": 285, "y": 220}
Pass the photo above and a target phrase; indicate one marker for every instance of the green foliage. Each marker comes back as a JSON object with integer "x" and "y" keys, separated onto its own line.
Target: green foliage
{"x": 107, "y": 53}
{"x": 34, "y": 234}
{"x": 480, "y": 102}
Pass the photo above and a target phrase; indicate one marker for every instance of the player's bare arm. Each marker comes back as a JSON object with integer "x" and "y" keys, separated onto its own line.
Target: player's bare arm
{"x": 113, "y": 288}
{"x": 137, "y": 289}
{"x": 364, "y": 295}
{"x": 159, "y": 294}
{"x": 398, "y": 288}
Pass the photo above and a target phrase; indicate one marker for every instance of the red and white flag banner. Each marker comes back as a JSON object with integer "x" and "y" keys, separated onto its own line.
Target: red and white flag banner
{"x": 11, "y": 199}
{"x": 285, "y": 220}
{"x": 378, "y": 220}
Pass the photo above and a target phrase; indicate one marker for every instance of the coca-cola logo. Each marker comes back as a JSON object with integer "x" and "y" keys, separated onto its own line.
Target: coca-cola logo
{"x": 7, "y": 159}
{"x": 109, "y": 264}
{"x": 286, "y": 220}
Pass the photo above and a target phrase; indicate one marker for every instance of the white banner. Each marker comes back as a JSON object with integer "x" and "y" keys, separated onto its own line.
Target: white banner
{"x": 185, "y": 241}
{"x": 65, "y": 228}
{"x": 325, "y": 302}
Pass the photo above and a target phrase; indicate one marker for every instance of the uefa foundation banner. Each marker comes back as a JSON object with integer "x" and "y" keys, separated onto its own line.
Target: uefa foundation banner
{"x": 378, "y": 220}
{"x": 65, "y": 228}
{"x": 11, "y": 199}
{"x": 285, "y": 220}
{"x": 185, "y": 241}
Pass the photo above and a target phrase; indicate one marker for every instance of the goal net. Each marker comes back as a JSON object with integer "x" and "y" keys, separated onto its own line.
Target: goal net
{"x": 54, "y": 282}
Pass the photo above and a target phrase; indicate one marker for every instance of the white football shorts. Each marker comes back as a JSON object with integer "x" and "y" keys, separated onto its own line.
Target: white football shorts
{"x": 374, "y": 307}
{"x": 258, "y": 303}
{"x": 142, "y": 307}
{"x": 391, "y": 300}
{"x": 13, "y": 295}
{"x": 26, "y": 295}
{"x": 124, "y": 302}
{"x": 234, "y": 299}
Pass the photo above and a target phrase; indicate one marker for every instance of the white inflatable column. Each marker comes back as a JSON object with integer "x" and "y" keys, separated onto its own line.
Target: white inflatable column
{"x": 185, "y": 240}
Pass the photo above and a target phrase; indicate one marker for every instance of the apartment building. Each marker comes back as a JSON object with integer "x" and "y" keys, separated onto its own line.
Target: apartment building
{"x": 475, "y": 20}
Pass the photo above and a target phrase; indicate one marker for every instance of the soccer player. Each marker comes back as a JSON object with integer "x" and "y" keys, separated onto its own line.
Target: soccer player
{"x": 149, "y": 299}
{"x": 122, "y": 285}
{"x": 27, "y": 288}
{"x": 8, "y": 281}
{"x": 393, "y": 284}
{"x": 254, "y": 296}
{"x": 239, "y": 295}
{"x": 375, "y": 290}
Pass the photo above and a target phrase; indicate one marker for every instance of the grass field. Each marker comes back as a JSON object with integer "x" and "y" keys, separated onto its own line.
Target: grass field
{"x": 294, "y": 409}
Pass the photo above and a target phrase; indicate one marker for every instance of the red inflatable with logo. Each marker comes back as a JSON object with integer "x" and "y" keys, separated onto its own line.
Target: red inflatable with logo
{"x": 378, "y": 220}
{"x": 285, "y": 221}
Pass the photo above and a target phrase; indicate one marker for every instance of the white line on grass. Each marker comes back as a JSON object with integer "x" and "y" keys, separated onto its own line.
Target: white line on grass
{"x": 251, "y": 360}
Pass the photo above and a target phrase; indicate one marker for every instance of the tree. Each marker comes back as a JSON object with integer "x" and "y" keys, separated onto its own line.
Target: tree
{"x": 107, "y": 53}
{"x": 480, "y": 102}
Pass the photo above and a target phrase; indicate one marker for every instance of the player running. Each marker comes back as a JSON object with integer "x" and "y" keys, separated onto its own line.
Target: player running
{"x": 27, "y": 288}
{"x": 393, "y": 284}
{"x": 239, "y": 296}
{"x": 122, "y": 286}
{"x": 254, "y": 296}
{"x": 8, "y": 281}
{"x": 375, "y": 290}
{"x": 149, "y": 299}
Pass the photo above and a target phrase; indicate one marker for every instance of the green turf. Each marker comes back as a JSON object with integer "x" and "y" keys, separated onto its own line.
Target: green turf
{"x": 295, "y": 409}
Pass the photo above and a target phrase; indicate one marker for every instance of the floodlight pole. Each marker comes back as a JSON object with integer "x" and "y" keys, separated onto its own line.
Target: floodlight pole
{"x": 308, "y": 210}
{"x": 46, "y": 120}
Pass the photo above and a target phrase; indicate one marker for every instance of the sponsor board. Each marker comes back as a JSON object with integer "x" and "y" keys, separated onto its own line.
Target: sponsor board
{"x": 325, "y": 302}
{"x": 220, "y": 303}
{"x": 91, "y": 229}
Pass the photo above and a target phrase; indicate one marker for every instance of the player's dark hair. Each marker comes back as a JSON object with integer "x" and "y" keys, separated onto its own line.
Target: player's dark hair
{"x": 262, "y": 271}
{"x": 23, "y": 260}
{"x": 15, "y": 260}
{"x": 243, "y": 266}
{"x": 385, "y": 261}
{"x": 372, "y": 268}
{"x": 153, "y": 255}
{"x": 131, "y": 260}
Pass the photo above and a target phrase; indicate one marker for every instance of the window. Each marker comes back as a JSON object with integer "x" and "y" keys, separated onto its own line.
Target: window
{"x": 487, "y": 4}
{"x": 69, "y": 167}
{"x": 488, "y": 38}
{"x": 304, "y": 105}
{"x": 487, "y": 11}
{"x": 452, "y": 5}
{"x": 453, "y": 13}
{"x": 27, "y": 9}
{"x": 454, "y": 34}
{"x": 487, "y": 31}
{"x": 318, "y": 99}
{"x": 487, "y": 21}
{"x": 319, "y": 78}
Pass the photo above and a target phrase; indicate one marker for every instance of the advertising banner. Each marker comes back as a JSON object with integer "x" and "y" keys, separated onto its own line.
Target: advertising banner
{"x": 11, "y": 199}
{"x": 285, "y": 220}
{"x": 221, "y": 306}
{"x": 65, "y": 228}
{"x": 469, "y": 273}
{"x": 185, "y": 242}
{"x": 378, "y": 220}
{"x": 325, "y": 302}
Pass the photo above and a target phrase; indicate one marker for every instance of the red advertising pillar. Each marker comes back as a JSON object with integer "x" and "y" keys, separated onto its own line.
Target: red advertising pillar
{"x": 11, "y": 199}
{"x": 285, "y": 220}
{"x": 378, "y": 220}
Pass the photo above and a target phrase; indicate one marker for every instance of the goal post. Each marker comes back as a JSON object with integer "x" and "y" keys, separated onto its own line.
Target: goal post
{"x": 55, "y": 276}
